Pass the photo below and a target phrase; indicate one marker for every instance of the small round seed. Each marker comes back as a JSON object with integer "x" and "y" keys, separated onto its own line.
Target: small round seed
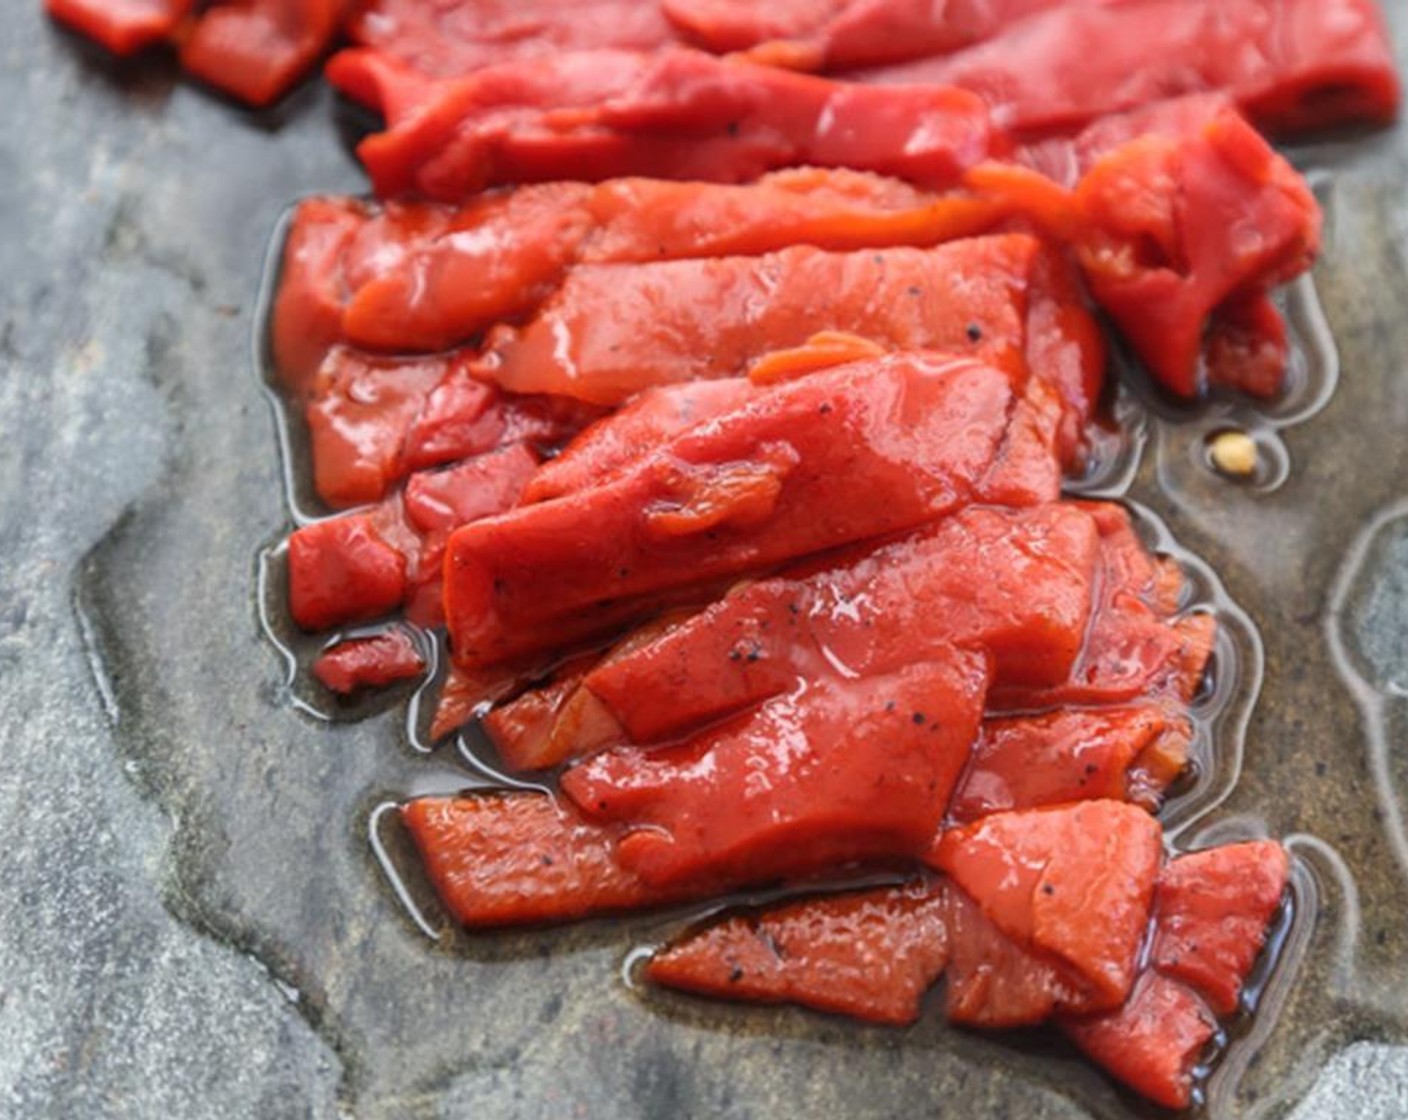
{"x": 1234, "y": 453}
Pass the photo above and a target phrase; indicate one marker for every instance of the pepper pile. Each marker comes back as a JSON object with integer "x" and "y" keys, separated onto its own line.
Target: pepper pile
{"x": 710, "y": 370}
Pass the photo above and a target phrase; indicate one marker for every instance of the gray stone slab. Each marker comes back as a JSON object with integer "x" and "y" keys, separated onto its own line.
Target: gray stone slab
{"x": 193, "y": 925}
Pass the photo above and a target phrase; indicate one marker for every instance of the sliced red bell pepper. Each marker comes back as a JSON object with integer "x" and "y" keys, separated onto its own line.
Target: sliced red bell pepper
{"x": 994, "y": 982}
{"x": 1042, "y": 876}
{"x": 612, "y": 330}
{"x": 836, "y": 772}
{"x": 1182, "y": 218}
{"x": 1292, "y": 65}
{"x": 1137, "y": 647}
{"x": 844, "y": 34}
{"x": 647, "y": 421}
{"x": 561, "y": 720}
{"x": 1178, "y": 227}
{"x": 868, "y": 954}
{"x": 1153, "y": 1043}
{"x": 257, "y": 50}
{"x": 359, "y": 410}
{"x": 439, "y": 275}
{"x": 307, "y": 313}
{"x": 794, "y": 471}
{"x": 363, "y": 565}
{"x": 342, "y": 570}
{"x": 519, "y": 858}
{"x": 453, "y": 37}
{"x": 373, "y": 420}
{"x": 677, "y": 114}
{"x": 1016, "y": 584}
{"x": 1026, "y": 762}
{"x": 1212, "y": 911}
{"x": 122, "y": 26}
{"x": 430, "y": 277}
{"x": 372, "y": 662}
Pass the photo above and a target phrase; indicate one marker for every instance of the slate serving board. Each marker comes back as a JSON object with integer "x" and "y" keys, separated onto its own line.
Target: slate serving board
{"x": 280, "y": 976}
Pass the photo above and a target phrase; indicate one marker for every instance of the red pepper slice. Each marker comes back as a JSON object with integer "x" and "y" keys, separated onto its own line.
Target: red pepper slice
{"x": 646, "y": 422}
{"x": 517, "y": 859}
{"x": 676, "y": 115}
{"x": 868, "y": 954}
{"x": 844, "y": 34}
{"x": 1135, "y": 649}
{"x": 1213, "y": 908}
{"x": 922, "y": 429}
{"x": 1152, "y": 1043}
{"x": 122, "y": 26}
{"x": 839, "y": 771}
{"x": 452, "y": 37}
{"x": 1292, "y": 65}
{"x": 361, "y": 566}
{"x": 372, "y": 662}
{"x": 1041, "y": 875}
{"x": 342, "y": 570}
{"x": 373, "y": 420}
{"x": 612, "y": 330}
{"x": 257, "y": 50}
{"x": 1017, "y": 585}
{"x": 1181, "y": 226}
{"x": 1025, "y": 762}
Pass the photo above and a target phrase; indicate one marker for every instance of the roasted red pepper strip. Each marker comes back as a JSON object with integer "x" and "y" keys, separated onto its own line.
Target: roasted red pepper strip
{"x": 363, "y": 565}
{"x": 1004, "y": 298}
{"x": 844, "y": 34}
{"x": 648, "y": 421}
{"x": 924, "y": 430}
{"x": 371, "y": 662}
{"x": 560, "y": 719}
{"x": 1034, "y": 942}
{"x": 1025, "y": 762}
{"x": 1016, "y": 584}
{"x": 444, "y": 274}
{"x": 612, "y": 330}
{"x": 1153, "y": 1043}
{"x": 1212, "y": 911}
{"x": 674, "y": 115}
{"x": 1238, "y": 220}
{"x": 1292, "y": 65}
{"x": 839, "y": 771}
{"x": 868, "y": 954}
{"x": 342, "y": 570}
{"x": 453, "y": 37}
{"x": 1136, "y": 647}
{"x": 518, "y": 858}
{"x": 122, "y": 26}
{"x": 307, "y": 314}
{"x": 1042, "y": 876}
{"x": 1180, "y": 232}
{"x": 373, "y": 420}
{"x": 256, "y": 50}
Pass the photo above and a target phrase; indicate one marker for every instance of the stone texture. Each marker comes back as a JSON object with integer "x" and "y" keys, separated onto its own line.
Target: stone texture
{"x": 194, "y": 925}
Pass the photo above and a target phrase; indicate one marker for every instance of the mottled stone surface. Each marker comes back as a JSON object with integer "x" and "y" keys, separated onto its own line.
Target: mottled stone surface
{"x": 193, "y": 925}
